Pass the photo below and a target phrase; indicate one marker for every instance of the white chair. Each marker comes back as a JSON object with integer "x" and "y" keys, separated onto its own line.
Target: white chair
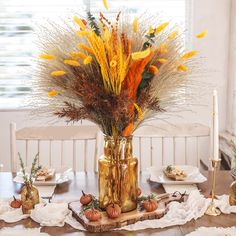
{"x": 172, "y": 144}
{"x": 56, "y": 144}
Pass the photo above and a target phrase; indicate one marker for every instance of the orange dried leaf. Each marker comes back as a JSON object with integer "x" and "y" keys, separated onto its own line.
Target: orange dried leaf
{"x": 128, "y": 130}
{"x": 134, "y": 76}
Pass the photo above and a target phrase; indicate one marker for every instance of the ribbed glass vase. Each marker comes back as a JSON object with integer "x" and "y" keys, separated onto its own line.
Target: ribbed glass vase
{"x": 118, "y": 174}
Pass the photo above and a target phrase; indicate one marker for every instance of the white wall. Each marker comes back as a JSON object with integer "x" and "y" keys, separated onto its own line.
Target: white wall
{"x": 213, "y": 15}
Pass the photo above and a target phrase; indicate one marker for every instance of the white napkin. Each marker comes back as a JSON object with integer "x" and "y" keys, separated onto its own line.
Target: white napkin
{"x": 20, "y": 232}
{"x": 187, "y": 188}
{"x": 54, "y": 214}
{"x": 213, "y": 231}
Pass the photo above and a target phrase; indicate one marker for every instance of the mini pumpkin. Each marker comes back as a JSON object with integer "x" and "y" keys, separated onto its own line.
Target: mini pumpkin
{"x": 113, "y": 211}
{"x": 139, "y": 191}
{"x": 93, "y": 214}
{"x": 15, "y": 203}
{"x": 85, "y": 198}
{"x": 150, "y": 205}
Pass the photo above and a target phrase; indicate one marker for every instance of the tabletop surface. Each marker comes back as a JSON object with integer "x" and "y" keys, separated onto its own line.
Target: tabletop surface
{"x": 88, "y": 182}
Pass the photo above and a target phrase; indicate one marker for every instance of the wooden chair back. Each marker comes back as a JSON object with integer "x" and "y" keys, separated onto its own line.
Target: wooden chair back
{"x": 68, "y": 142}
{"x": 182, "y": 144}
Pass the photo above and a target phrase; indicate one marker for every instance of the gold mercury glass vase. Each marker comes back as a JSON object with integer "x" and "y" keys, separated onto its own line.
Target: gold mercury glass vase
{"x": 118, "y": 174}
{"x": 29, "y": 198}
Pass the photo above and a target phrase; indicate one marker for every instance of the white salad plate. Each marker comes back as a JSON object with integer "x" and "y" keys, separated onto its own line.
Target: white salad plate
{"x": 193, "y": 175}
{"x": 62, "y": 175}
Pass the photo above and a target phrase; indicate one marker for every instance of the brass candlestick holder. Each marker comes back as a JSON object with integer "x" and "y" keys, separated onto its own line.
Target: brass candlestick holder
{"x": 212, "y": 210}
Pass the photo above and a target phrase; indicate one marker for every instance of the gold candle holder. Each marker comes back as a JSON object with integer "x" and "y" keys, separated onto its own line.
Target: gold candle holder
{"x": 212, "y": 210}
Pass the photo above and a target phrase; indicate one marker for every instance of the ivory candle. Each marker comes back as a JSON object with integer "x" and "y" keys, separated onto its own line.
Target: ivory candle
{"x": 215, "y": 126}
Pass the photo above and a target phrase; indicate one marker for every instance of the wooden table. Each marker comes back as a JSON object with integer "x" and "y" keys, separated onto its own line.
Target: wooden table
{"x": 88, "y": 182}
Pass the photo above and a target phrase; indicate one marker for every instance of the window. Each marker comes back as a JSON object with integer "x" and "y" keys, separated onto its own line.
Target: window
{"x": 18, "y": 20}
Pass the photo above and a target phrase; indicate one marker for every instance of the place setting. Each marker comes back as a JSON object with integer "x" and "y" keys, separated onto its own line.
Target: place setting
{"x": 106, "y": 78}
{"x": 45, "y": 179}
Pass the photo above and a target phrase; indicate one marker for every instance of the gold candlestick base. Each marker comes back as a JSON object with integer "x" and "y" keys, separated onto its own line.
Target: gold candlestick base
{"x": 212, "y": 210}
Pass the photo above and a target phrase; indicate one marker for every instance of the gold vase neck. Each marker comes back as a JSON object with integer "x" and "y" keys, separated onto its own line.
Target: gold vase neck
{"x": 118, "y": 148}
{"x": 118, "y": 138}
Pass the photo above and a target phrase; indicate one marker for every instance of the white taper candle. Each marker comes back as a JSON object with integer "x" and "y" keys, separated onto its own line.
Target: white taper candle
{"x": 215, "y": 126}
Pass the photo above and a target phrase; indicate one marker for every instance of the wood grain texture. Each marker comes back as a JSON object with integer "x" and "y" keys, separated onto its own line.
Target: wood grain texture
{"x": 106, "y": 224}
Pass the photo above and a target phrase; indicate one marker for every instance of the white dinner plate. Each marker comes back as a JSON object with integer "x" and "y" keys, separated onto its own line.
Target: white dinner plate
{"x": 193, "y": 175}
{"x": 62, "y": 175}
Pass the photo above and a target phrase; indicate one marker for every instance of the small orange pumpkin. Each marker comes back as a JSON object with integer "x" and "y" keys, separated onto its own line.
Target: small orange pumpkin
{"x": 85, "y": 198}
{"x": 150, "y": 205}
{"x": 113, "y": 211}
{"x": 139, "y": 191}
{"x": 93, "y": 214}
{"x": 15, "y": 203}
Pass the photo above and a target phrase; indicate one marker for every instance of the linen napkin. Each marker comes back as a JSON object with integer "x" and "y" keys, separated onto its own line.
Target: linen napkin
{"x": 20, "y": 232}
{"x": 54, "y": 214}
{"x": 213, "y": 231}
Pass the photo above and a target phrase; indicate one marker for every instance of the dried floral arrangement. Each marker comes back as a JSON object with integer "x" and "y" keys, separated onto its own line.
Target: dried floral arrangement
{"x": 116, "y": 73}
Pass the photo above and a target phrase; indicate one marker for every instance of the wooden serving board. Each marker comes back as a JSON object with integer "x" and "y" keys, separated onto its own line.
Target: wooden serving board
{"x": 107, "y": 224}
